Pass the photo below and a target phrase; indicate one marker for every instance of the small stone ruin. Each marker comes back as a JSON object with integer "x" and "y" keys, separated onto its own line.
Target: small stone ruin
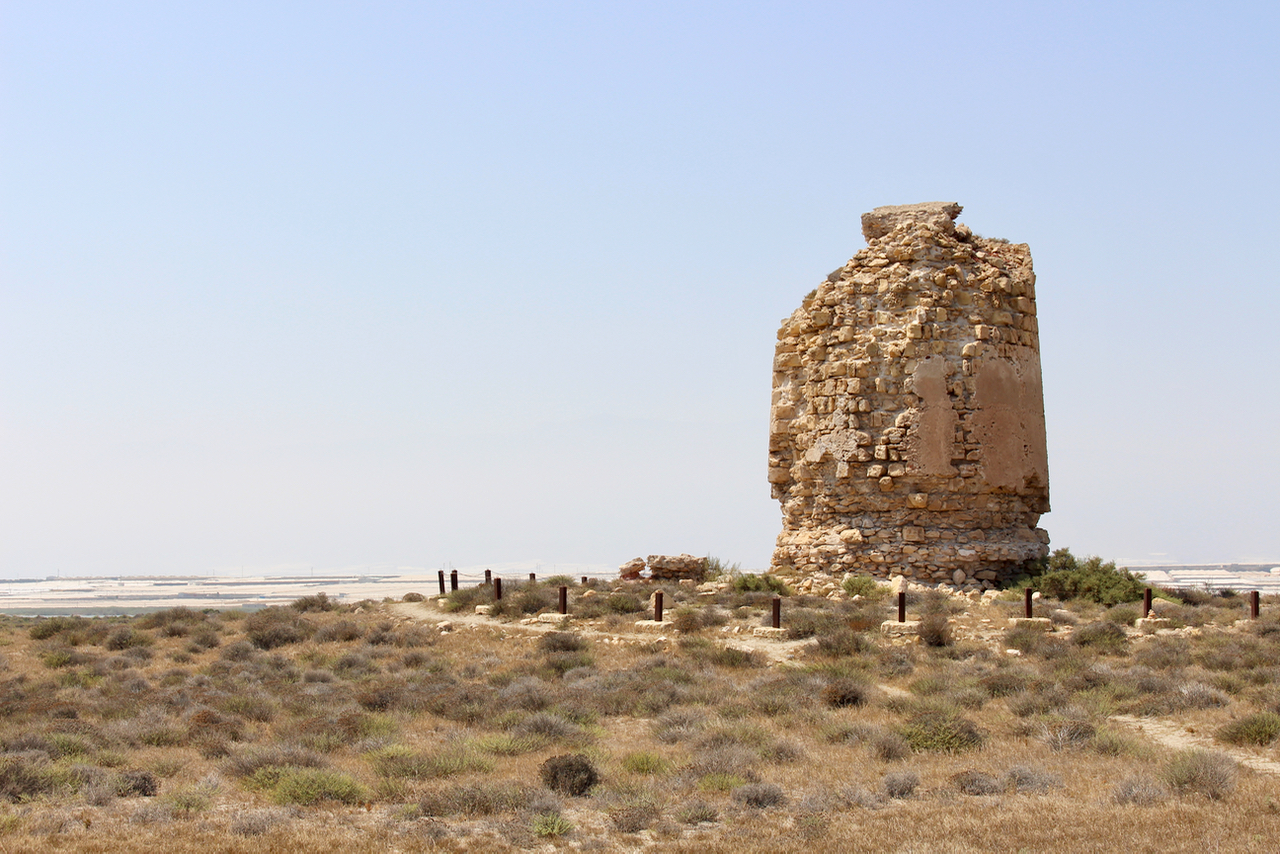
{"x": 907, "y": 430}
{"x": 665, "y": 567}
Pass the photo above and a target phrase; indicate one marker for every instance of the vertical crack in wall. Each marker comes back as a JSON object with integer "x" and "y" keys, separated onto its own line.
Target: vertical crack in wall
{"x": 907, "y": 428}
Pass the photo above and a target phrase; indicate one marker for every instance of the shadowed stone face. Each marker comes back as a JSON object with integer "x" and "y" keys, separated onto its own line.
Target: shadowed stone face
{"x": 907, "y": 429}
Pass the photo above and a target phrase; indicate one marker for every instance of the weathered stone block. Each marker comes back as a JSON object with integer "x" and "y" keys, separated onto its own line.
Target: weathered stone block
{"x": 1040, "y": 624}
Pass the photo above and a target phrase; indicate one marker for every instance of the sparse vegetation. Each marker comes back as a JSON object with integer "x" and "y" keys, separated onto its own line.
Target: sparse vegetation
{"x": 269, "y": 726}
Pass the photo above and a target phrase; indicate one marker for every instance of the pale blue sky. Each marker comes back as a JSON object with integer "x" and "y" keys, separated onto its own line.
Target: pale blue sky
{"x": 400, "y": 284}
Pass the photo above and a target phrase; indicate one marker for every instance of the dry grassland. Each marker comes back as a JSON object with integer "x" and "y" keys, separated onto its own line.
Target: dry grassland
{"x": 375, "y": 728}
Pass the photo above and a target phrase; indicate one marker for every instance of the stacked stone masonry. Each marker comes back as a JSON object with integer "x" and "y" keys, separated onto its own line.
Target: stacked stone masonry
{"x": 664, "y": 567}
{"x": 907, "y": 429}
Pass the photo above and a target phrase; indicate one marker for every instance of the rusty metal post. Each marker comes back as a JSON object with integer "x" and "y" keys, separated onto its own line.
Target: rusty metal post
{"x": 564, "y": 599}
{"x": 488, "y": 577}
{"x": 1146, "y": 603}
{"x": 453, "y": 579}
{"x": 497, "y": 589}
{"x": 584, "y": 581}
{"x": 533, "y": 577}
{"x": 902, "y": 606}
{"x": 777, "y": 612}
{"x": 1253, "y": 604}
{"x": 657, "y": 606}
{"x": 1027, "y": 603}
{"x": 440, "y": 575}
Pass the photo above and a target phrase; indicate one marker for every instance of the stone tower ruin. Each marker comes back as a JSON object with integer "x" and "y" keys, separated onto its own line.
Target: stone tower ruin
{"x": 907, "y": 433}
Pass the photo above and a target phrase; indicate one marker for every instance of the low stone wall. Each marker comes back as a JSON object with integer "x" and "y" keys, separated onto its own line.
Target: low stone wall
{"x": 664, "y": 568}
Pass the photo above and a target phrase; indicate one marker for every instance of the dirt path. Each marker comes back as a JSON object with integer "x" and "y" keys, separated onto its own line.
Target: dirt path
{"x": 777, "y": 651}
{"x": 1172, "y": 735}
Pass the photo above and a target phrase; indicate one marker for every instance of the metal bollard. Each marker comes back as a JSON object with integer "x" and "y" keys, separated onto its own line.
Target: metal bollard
{"x": 902, "y": 606}
{"x": 657, "y": 606}
{"x": 453, "y": 579}
{"x": 497, "y": 589}
{"x": 1027, "y": 602}
{"x": 584, "y": 581}
{"x": 1253, "y": 604}
{"x": 488, "y": 577}
{"x": 777, "y": 612}
{"x": 533, "y": 576}
{"x": 564, "y": 599}
{"x": 1146, "y": 603}
{"x": 440, "y": 575}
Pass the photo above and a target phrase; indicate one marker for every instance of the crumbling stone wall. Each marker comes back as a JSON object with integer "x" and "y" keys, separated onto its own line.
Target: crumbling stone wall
{"x": 907, "y": 428}
{"x": 665, "y": 567}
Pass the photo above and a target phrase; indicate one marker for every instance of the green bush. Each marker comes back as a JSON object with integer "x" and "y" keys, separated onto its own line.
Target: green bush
{"x": 1091, "y": 579}
{"x": 646, "y": 762}
{"x": 307, "y": 786}
{"x": 940, "y": 731}
{"x": 750, "y": 583}
{"x": 864, "y": 586}
{"x": 1260, "y": 729}
{"x": 551, "y": 824}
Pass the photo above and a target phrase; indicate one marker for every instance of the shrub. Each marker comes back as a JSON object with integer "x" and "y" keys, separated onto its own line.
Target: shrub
{"x": 307, "y": 786}
{"x": 1204, "y": 772}
{"x": 569, "y": 774}
{"x": 412, "y": 597}
{"x": 403, "y": 762}
{"x": 247, "y": 762}
{"x": 341, "y": 631}
{"x": 624, "y": 603}
{"x": 843, "y": 692}
{"x": 551, "y": 824}
{"x": 478, "y": 799}
{"x": 136, "y": 783}
{"x": 935, "y": 630}
{"x": 940, "y": 730}
{"x": 765, "y": 583}
{"x": 1069, "y": 578}
{"x": 1104, "y": 636}
{"x": 864, "y": 586}
{"x": 843, "y": 642}
{"x": 561, "y": 642}
{"x": 645, "y": 762}
{"x": 47, "y": 627}
{"x": 126, "y": 638}
{"x": 275, "y": 626}
{"x": 318, "y": 602}
{"x": 1067, "y": 734}
{"x": 706, "y": 652}
{"x": 971, "y": 782}
{"x": 759, "y": 795}
{"x": 22, "y": 778}
{"x": 1024, "y": 778}
{"x": 1260, "y": 729}
{"x": 696, "y": 811}
{"x": 687, "y": 620}
{"x": 901, "y": 784}
{"x": 1142, "y": 791}
{"x": 714, "y": 567}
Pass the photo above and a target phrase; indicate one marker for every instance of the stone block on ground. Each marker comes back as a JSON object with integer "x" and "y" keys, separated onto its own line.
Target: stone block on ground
{"x": 1042, "y": 624}
{"x": 654, "y": 626}
{"x": 769, "y": 632}
{"x": 1147, "y": 625}
{"x": 894, "y": 629}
